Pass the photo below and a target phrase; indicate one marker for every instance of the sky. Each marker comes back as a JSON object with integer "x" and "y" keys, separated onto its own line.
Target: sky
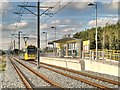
{"x": 68, "y": 16}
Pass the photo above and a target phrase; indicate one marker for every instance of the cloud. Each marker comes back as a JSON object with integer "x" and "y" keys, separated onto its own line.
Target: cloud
{"x": 74, "y": 4}
{"x": 66, "y": 23}
{"x": 4, "y": 43}
{"x": 79, "y": 4}
{"x": 113, "y": 5}
{"x": 115, "y": 0}
{"x": 22, "y": 24}
{"x": 68, "y": 30}
{"x": 70, "y": 0}
{"x": 4, "y": 6}
{"x": 62, "y": 22}
{"x": 103, "y": 21}
{"x": 82, "y": 4}
{"x": 14, "y": 26}
{"x": 45, "y": 26}
{"x": 56, "y": 22}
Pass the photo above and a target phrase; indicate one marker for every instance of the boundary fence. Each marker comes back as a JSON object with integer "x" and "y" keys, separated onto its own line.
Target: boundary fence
{"x": 105, "y": 54}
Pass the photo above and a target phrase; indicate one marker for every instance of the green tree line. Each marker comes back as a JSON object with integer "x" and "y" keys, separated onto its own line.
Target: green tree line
{"x": 108, "y": 36}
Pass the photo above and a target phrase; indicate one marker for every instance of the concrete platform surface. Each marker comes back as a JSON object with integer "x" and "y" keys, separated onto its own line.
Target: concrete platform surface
{"x": 101, "y": 66}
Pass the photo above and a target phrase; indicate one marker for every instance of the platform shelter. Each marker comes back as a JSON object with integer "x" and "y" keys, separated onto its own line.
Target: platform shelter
{"x": 67, "y": 47}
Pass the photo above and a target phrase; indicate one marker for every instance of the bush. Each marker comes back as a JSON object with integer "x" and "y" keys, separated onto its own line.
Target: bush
{"x": 2, "y": 67}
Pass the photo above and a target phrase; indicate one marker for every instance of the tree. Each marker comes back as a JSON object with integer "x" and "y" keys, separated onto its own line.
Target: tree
{"x": 108, "y": 36}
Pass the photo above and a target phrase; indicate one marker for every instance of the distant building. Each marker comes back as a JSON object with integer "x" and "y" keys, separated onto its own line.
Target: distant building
{"x": 0, "y": 52}
{"x": 86, "y": 46}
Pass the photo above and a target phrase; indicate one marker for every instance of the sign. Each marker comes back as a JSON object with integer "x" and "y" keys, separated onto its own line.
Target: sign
{"x": 86, "y": 46}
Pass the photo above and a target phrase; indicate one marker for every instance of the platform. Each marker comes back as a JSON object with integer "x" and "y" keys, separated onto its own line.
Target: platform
{"x": 101, "y": 66}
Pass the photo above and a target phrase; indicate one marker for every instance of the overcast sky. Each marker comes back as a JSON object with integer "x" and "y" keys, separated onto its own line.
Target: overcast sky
{"x": 68, "y": 16}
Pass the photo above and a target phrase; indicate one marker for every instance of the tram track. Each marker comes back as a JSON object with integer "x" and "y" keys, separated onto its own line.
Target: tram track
{"x": 84, "y": 74}
{"x": 51, "y": 82}
{"x": 22, "y": 76}
{"x": 73, "y": 77}
{"x": 76, "y": 78}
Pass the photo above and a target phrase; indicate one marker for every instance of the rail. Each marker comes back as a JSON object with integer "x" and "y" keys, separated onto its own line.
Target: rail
{"x": 85, "y": 74}
{"x": 22, "y": 76}
{"x": 76, "y": 78}
{"x": 40, "y": 75}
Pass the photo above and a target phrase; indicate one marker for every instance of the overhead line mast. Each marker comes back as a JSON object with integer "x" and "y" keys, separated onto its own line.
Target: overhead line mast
{"x": 38, "y": 34}
{"x": 19, "y": 33}
{"x": 38, "y": 23}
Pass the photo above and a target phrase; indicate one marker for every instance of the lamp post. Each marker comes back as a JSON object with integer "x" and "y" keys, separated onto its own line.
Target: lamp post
{"x": 14, "y": 45}
{"x": 55, "y": 30}
{"x": 19, "y": 39}
{"x": 25, "y": 40}
{"x": 46, "y": 38}
{"x": 55, "y": 39}
{"x": 95, "y": 4}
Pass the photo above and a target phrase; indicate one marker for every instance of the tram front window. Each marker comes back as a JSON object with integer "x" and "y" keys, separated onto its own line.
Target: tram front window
{"x": 31, "y": 50}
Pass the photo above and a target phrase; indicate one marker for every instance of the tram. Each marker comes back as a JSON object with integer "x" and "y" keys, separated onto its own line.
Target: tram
{"x": 30, "y": 52}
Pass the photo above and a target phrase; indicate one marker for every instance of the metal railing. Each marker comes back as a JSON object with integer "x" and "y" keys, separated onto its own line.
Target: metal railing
{"x": 102, "y": 55}
{"x": 106, "y": 54}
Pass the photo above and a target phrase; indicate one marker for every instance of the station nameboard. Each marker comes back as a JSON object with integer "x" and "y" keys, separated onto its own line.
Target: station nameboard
{"x": 86, "y": 46}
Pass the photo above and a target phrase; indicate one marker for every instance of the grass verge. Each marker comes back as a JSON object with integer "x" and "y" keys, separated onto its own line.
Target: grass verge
{"x": 2, "y": 67}
{"x": 2, "y": 63}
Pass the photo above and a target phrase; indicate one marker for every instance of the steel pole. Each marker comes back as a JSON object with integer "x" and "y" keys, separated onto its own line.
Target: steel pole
{"x": 55, "y": 33}
{"x": 46, "y": 39}
{"x": 38, "y": 34}
{"x": 19, "y": 40}
{"x": 14, "y": 44}
{"x": 55, "y": 43}
{"x": 46, "y": 44}
{"x": 96, "y": 32}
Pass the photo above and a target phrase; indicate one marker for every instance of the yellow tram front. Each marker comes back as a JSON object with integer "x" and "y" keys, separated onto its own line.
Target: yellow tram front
{"x": 30, "y": 53}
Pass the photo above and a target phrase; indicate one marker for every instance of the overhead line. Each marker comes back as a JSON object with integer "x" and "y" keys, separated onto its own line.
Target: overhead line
{"x": 26, "y": 6}
{"x": 30, "y": 11}
{"x": 54, "y": 13}
{"x": 57, "y": 11}
{"x": 18, "y": 20}
{"x": 53, "y": 7}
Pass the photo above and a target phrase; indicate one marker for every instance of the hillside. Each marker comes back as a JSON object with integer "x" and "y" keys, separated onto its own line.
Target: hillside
{"x": 108, "y": 36}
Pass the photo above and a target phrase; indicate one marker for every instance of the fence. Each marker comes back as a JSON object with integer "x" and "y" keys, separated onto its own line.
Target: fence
{"x": 102, "y": 55}
{"x": 106, "y": 54}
